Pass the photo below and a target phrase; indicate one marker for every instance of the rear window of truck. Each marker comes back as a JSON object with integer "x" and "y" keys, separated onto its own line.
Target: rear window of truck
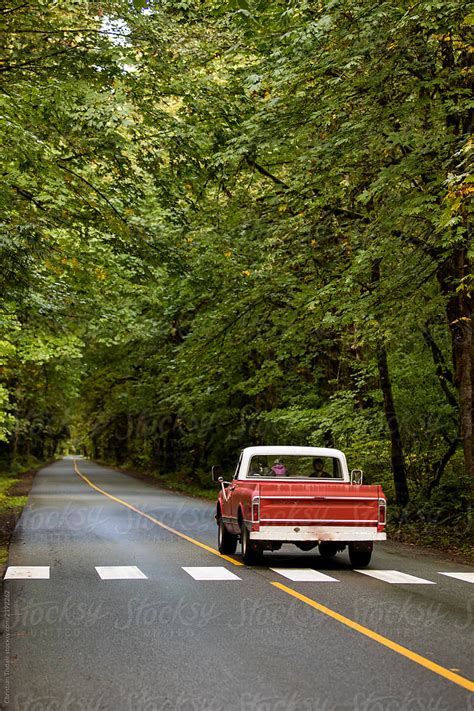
{"x": 294, "y": 467}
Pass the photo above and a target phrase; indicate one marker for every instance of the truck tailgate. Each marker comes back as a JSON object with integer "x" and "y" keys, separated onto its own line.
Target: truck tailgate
{"x": 308, "y": 503}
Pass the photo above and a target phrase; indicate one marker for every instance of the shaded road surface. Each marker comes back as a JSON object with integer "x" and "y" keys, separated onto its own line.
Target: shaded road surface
{"x": 167, "y": 639}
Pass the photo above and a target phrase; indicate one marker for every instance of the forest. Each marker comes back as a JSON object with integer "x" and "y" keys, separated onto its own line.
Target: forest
{"x": 236, "y": 223}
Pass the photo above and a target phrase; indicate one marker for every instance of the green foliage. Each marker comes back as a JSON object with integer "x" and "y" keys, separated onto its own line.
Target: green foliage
{"x": 218, "y": 215}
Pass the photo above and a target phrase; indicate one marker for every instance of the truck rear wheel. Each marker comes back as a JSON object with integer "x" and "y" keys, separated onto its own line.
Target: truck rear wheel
{"x": 360, "y": 555}
{"x": 226, "y": 542}
{"x": 251, "y": 554}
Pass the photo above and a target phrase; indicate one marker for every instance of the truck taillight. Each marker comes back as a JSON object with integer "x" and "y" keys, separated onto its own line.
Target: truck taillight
{"x": 256, "y": 509}
{"x": 382, "y": 511}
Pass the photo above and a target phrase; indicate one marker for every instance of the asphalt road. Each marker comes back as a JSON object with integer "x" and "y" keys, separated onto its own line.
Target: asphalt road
{"x": 78, "y": 642}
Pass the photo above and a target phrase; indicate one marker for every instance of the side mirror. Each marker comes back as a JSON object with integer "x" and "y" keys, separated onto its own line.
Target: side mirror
{"x": 217, "y": 472}
{"x": 357, "y": 476}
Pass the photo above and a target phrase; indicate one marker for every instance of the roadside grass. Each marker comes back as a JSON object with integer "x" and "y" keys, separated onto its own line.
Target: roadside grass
{"x": 455, "y": 540}
{"x": 7, "y": 482}
{"x": 12, "y": 502}
{"x": 15, "y": 484}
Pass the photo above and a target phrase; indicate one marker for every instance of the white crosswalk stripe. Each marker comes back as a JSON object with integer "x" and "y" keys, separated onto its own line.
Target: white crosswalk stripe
{"x": 211, "y": 573}
{"x": 466, "y": 577}
{"x": 120, "y": 572}
{"x": 297, "y": 575}
{"x": 395, "y": 577}
{"x": 23, "y": 572}
{"x": 304, "y": 575}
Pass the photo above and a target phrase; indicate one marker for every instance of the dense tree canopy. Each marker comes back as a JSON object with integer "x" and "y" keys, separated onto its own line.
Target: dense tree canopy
{"x": 237, "y": 223}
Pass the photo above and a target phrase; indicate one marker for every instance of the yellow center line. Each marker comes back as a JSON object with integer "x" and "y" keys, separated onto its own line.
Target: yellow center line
{"x": 154, "y": 520}
{"x": 413, "y": 656}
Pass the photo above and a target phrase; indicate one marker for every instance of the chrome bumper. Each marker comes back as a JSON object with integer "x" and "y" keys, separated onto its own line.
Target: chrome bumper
{"x": 317, "y": 533}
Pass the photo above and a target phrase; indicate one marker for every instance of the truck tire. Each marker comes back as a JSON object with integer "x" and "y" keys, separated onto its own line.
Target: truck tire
{"x": 226, "y": 542}
{"x": 359, "y": 558}
{"x": 250, "y": 553}
{"x": 327, "y": 549}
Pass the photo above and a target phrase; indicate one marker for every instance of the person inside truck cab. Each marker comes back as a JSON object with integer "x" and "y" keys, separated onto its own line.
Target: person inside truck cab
{"x": 278, "y": 468}
{"x": 318, "y": 469}
{"x": 257, "y": 469}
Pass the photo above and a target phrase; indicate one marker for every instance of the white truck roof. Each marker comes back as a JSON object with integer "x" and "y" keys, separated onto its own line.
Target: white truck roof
{"x": 297, "y": 451}
{"x": 287, "y": 450}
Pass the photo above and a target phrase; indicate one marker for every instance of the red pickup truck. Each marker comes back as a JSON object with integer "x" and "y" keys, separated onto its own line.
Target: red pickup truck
{"x": 299, "y": 495}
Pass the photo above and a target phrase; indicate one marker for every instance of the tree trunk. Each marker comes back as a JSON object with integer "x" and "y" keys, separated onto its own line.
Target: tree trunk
{"x": 15, "y": 443}
{"x": 397, "y": 455}
{"x": 459, "y": 314}
{"x": 454, "y": 273}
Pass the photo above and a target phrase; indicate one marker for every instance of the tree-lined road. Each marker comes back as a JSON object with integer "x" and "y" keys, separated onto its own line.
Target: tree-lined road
{"x": 168, "y": 639}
